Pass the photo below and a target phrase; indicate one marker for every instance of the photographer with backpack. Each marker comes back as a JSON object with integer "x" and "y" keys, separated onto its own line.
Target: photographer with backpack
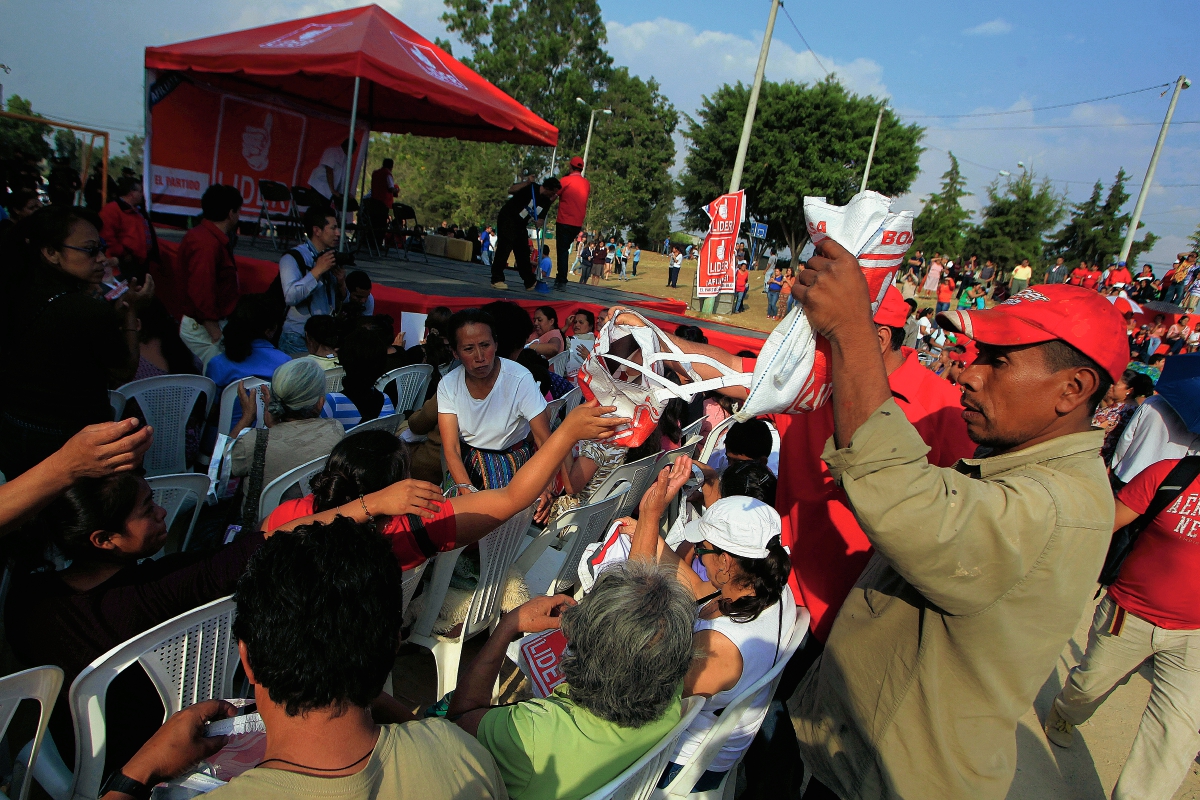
{"x": 311, "y": 279}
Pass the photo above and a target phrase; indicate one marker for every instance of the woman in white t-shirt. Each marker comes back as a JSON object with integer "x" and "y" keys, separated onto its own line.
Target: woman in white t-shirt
{"x": 490, "y": 410}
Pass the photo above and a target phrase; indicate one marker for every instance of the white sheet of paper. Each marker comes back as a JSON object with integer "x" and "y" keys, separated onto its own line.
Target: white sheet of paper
{"x": 413, "y": 326}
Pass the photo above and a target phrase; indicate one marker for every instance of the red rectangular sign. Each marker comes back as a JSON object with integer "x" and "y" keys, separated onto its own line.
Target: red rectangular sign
{"x": 716, "y": 265}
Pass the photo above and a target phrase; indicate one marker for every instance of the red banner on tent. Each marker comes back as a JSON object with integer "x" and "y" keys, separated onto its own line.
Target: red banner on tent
{"x": 716, "y": 265}
{"x": 201, "y": 136}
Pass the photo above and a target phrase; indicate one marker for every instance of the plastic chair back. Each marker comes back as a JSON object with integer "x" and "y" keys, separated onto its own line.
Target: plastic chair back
{"x": 714, "y": 740}
{"x": 554, "y": 412}
{"x": 117, "y": 401}
{"x": 388, "y": 423}
{"x": 171, "y": 491}
{"x": 715, "y": 437}
{"x": 41, "y": 684}
{"x": 574, "y": 398}
{"x": 229, "y": 401}
{"x": 410, "y": 579}
{"x": 692, "y": 429}
{"x": 412, "y": 382}
{"x": 189, "y": 659}
{"x": 639, "y": 475}
{"x": 167, "y": 402}
{"x": 637, "y": 782}
{"x": 272, "y": 493}
{"x": 274, "y": 191}
{"x": 585, "y": 525}
{"x": 688, "y": 449}
{"x": 558, "y": 364}
{"x": 333, "y": 379}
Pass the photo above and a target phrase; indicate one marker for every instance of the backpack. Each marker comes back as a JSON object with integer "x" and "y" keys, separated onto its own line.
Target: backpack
{"x": 275, "y": 290}
{"x": 1123, "y": 540}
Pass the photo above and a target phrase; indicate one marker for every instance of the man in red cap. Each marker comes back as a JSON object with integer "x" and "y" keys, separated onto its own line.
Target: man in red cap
{"x": 981, "y": 571}
{"x": 829, "y": 549}
{"x": 572, "y": 208}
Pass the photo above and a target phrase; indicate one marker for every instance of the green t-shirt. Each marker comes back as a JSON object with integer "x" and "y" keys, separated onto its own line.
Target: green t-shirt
{"x": 428, "y": 759}
{"x": 551, "y": 749}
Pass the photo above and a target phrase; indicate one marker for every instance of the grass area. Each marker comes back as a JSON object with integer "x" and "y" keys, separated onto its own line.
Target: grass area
{"x": 652, "y": 280}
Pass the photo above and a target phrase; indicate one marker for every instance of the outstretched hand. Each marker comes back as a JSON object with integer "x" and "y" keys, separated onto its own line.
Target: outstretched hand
{"x": 587, "y": 421}
{"x": 833, "y": 291}
{"x": 105, "y": 448}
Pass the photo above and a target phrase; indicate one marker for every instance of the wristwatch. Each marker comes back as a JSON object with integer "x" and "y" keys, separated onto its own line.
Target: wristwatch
{"x": 119, "y": 782}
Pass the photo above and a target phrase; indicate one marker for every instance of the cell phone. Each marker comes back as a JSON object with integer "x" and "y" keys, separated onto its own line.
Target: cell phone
{"x": 118, "y": 290}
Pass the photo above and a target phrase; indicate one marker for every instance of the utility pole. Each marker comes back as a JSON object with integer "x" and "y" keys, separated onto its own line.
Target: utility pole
{"x": 588, "y": 144}
{"x": 739, "y": 163}
{"x": 871, "y": 152}
{"x": 1181, "y": 83}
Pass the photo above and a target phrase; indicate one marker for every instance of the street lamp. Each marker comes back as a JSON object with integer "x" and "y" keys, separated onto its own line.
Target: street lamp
{"x": 587, "y": 145}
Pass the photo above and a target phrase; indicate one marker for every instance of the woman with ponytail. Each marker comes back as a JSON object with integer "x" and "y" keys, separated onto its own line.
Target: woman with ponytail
{"x": 746, "y": 611}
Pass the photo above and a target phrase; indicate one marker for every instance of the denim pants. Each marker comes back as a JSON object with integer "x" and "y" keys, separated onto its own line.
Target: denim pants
{"x": 1166, "y": 741}
{"x": 1174, "y": 294}
{"x": 772, "y": 304}
{"x": 672, "y": 276}
{"x": 739, "y": 302}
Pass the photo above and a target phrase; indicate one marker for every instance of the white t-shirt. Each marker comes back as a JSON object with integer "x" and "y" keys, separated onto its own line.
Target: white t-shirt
{"x": 499, "y": 420}
{"x": 924, "y": 326}
{"x": 335, "y": 159}
{"x": 1154, "y": 433}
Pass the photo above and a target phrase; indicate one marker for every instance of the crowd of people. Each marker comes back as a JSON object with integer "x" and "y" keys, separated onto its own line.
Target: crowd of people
{"x": 943, "y": 520}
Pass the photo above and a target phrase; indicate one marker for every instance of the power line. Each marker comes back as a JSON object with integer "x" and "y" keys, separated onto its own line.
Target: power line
{"x": 1055, "y": 127}
{"x": 806, "y": 44}
{"x": 1061, "y": 180}
{"x": 1031, "y": 110}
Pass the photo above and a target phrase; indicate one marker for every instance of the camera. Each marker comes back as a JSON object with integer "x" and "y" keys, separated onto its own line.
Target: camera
{"x": 340, "y": 259}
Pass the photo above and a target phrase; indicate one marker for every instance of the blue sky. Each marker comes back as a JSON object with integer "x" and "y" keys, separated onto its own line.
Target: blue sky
{"x": 82, "y": 60}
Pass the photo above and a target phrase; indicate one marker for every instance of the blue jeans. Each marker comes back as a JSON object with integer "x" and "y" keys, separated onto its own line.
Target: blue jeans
{"x": 673, "y": 277}
{"x": 1174, "y": 294}
{"x": 739, "y": 302}
{"x": 772, "y": 304}
{"x": 293, "y": 343}
{"x": 708, "y": 781}
{"x": 942, "y": 307}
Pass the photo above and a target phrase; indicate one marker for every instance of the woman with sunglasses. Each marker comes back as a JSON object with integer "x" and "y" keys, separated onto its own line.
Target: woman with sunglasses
{"x": 68, "y": 342}
{"x": 746, "y": 611}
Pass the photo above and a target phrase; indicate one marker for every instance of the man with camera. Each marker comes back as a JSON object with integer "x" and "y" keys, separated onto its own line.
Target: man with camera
{"x": 312, "y": 277}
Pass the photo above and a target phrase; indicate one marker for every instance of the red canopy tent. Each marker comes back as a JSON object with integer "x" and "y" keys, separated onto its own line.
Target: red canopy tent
{"x": 272, "y": 99}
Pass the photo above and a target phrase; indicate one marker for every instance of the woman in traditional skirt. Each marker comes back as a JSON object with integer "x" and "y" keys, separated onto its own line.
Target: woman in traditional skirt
{"x": 491, "y": 414}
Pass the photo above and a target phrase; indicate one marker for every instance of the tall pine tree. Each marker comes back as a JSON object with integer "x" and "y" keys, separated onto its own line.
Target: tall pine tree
{"x": 1015, "y": 223}
{"x": 942, "y": 225}
{"x": 1096, "y": 231}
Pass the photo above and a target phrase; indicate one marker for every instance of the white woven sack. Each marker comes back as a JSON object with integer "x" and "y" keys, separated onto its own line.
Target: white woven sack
{"x": 792, "y": 372}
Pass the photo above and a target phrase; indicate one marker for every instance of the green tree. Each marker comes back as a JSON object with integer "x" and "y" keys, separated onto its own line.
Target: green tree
{"x": 544, "y": 53}
{"x": 807, "y": 140}
{"x": 1018, "y": 217}
{"x": 130, "y": 159}
{"x": 942, "y": 225}
{"x": 18, "y": 136}
{"x": 1194, "y": 241}
{"x": 1096, "y": 231}
{"x": 632, "y": 153}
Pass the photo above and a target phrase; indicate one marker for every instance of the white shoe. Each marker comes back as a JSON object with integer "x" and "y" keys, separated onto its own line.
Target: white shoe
{"x": 500, "y": 285}
{"x": 1058, "y": 730}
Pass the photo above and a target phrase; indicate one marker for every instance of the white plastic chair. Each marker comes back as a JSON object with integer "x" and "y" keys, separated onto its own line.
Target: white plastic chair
{"x": 189, "y": 658}
{"x": 582, "y": 526}
{"x": 388, "y": 423}
{"x": 229, "y": 401}
{"x": 272, "y": 493}
{"x": 554, "y": 411}
{"x": 166, "y": 402}
{"x": 714, "y": 740}
{"x": 573, "y": 398}
{"x": 692, "y": 429}
{"x": 558, "y": 364}
{"x": 412, "y": 382}
{"x": 715, "y": 437}
{"x": 171, "y": 491}
{"x": 637, "y": 782}
{"x": 497, "y": 552}
{"x": 639, "y": 475}
{"x": 41, "y": 684}
{"x": 333, "y": 379}
{"x": 687, "y": 449}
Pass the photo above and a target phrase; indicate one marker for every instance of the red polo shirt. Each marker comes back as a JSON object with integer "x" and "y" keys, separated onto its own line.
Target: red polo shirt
{"x": 1118, "y": 275}
{"x": 573, "y": 199}
{"x": 1077, "y": 276}
{"x": 204, "y": 274}
{"x": 1092, "y": 278}
{"x": 380, "y": 190}
{"x": 828, "y": 548}
{"x": 125, "y": 232}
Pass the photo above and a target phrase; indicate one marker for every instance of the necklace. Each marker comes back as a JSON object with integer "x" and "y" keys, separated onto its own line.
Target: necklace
{"x": 317, "y": 769}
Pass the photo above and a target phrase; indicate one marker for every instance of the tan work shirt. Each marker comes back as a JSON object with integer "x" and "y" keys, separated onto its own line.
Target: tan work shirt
{"x": 980, "y": 575}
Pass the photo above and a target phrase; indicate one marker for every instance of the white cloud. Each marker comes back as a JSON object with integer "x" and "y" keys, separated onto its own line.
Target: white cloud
{"x": 996, "y": 27}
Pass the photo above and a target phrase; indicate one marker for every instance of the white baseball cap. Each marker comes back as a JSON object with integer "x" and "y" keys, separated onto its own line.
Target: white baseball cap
{"x": 739, "y": 525}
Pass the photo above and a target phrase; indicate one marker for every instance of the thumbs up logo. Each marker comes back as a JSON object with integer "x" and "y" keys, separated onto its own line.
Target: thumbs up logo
{"x": 256, "y": 145}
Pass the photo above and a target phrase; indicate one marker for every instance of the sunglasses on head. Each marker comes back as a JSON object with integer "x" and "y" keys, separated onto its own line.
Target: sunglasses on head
{"x": 92, "y": 251}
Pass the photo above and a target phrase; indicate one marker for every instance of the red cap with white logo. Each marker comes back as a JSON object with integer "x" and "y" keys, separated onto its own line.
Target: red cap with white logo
{"x": 1080, "y": 317}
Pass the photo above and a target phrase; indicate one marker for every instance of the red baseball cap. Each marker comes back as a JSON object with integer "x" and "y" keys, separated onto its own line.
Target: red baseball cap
{"x": 892, "y": 311}
{"x": 1080, "y": 317}
{"x": 576, "y": 163}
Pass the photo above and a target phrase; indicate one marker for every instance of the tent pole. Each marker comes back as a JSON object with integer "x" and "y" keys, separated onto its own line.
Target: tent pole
{"x": 349, "y": 166}
{"x": 362, "y": 181}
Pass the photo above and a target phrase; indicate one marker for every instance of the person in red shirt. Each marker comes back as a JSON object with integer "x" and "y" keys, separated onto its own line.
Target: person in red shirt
{"x": 1119, "y": 276}
{"x": 129, "y": 235}
{"x": 572, "y": 208}
{"x": 204, "y": 281}
{"x": 1078, "y": 274}
{"x": 741, "y": 283}
{"x": 1092, "y": 279}
{"x": 383, "y": 186}
{"x": 1150, "y": 612}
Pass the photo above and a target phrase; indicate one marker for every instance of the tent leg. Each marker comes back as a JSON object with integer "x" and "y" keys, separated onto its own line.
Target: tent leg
{"x": 349, "y": 166}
